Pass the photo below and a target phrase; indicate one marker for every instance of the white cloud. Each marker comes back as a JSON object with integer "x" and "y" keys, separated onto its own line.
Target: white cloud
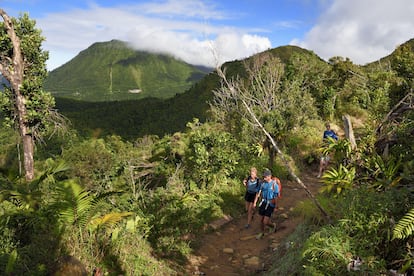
{"x": 189, "y": 37}
{"x": 183, "y": 8}
{"x": 364, "y": 30}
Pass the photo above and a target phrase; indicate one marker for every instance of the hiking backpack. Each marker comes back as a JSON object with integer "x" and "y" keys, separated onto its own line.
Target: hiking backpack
{"x": 279, "y": 184}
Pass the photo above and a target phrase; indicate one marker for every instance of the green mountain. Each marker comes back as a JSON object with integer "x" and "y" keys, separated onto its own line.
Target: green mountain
{"x": 108, "y": 71}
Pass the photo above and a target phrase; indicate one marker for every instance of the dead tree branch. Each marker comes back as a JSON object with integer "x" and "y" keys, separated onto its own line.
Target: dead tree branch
{"x": 234, "y": 92}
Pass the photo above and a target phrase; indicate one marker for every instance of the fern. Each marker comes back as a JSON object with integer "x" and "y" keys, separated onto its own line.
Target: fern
{"x": 11, "y": 262}
{"x": 29, "y": 195}
{"x": 405, "y": 227}
{"x": 78, "y": 207}
{"x": 75, "y": 203}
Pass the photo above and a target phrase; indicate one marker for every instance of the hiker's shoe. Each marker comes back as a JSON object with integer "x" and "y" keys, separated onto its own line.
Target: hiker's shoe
{"x": 319, "y": 176}
{"x": 259, "y": 236}
{"x": 247, "y": 226}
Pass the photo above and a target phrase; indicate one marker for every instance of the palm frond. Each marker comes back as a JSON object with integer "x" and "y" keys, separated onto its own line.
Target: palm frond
{"x": 108, "y": 220}
{"x": 75, "y": 203}
{"x": 49, "y": 173}
{"x": 405, "y": 227}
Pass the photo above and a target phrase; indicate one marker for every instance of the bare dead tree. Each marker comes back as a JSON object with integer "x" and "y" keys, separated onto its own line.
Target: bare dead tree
{"x": 235, "y": 90}
{"x": 404, "y": 105}
{"x": 394, "y": 117}
{"x": 13, "y": 69}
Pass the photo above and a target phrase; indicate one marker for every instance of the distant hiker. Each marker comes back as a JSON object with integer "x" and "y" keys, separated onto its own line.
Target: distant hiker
{"x": 252, "y": 184}
{"x": 269, "y": 191}
{"x": 328, "y": 135}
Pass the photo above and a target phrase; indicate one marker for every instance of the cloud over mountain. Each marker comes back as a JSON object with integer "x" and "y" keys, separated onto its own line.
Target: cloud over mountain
{"x": 180, "y": 28}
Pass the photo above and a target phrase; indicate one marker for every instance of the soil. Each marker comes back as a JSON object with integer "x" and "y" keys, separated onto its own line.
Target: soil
{"x": 234, "y": 250}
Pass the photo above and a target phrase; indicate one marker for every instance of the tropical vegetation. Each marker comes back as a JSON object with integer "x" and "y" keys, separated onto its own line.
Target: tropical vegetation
{"x": 118, "y": 203}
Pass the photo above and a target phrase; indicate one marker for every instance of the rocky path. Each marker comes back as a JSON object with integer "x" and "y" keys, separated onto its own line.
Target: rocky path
{"x": 234, "y": 250}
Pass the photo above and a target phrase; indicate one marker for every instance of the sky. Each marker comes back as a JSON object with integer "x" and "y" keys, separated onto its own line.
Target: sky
{"x": 210, "y": 32}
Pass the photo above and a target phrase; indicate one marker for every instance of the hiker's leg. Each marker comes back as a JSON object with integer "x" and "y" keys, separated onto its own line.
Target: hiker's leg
{"x": 322, "y": 166}
{"x": 262, "y": 228}
{"x": 327, "y": 159}
{"x": 270, "y": 224}
{"x": 247, "y": 201}
{"x": 268, "y": 215}
{"x": 262, "y": 211}
{"x": 262, "y": 223}
{"x": 267, "y": 221}
{"x": 250, "y": 213}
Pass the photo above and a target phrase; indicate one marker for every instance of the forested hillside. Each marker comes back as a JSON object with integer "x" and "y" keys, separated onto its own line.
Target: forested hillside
{"x": 132, "y": 119}
{"x": 139, "y": 206}
{"x": 111, "y": 71}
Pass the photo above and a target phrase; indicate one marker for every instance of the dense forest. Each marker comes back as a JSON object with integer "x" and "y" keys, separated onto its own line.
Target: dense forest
{"x": 130, "y": 205}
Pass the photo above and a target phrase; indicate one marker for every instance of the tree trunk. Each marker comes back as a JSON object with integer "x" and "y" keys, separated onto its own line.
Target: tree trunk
{"x": 12, "y": 70}
{"x": 24, "y": 131}
{"x": 28, "y": 148}
{"x": 349, "y": 132}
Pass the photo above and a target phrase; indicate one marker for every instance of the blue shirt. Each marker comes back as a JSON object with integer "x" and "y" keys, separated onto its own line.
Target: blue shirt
{"x": 270, "y": 190}
{"x": 253, "y": 186}
{"x": 329, "y": 133}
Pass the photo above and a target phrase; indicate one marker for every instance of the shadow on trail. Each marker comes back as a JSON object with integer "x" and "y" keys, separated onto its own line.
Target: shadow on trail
{"x": 232, "y": 202}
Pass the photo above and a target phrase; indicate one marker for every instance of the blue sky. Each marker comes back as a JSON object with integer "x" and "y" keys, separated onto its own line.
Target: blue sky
{"x": 210, "y": 32}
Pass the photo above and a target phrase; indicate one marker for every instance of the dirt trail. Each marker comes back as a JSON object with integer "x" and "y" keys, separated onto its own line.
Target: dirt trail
{"x": 233, "y": 250}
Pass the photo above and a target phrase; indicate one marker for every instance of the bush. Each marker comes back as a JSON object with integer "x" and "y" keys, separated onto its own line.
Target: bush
{"x": 288, "y": 256}
{"x": 364, "y": 230}
{"x": 326, "y": 251}
{"x": 135, "y": 256}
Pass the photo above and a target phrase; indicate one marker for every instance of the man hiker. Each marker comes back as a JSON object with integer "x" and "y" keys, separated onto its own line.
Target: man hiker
{"x": 252, "y": 184}
{"x": 328, "y": 134}
{"x": 269, "y": 191}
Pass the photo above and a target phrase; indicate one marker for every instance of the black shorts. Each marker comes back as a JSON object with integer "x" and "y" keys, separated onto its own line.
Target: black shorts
{"x": 249, "y": 196}
{"x": 266, "y": 212}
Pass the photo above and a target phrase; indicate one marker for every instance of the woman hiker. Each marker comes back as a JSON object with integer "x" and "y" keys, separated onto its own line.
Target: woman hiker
{"x": 252, "y": 184}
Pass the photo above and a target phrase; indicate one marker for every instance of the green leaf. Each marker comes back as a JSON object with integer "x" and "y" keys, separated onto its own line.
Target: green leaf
{"x": 405, "y": 227}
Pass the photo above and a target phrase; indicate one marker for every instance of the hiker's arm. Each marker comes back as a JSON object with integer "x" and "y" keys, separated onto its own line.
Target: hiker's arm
{"x": 256, "y": 198}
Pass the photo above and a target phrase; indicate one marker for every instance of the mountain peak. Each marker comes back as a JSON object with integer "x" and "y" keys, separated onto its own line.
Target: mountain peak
{"x": 110, "y": 70}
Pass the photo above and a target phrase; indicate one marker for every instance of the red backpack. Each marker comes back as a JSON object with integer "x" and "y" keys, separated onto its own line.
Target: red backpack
{"x": 279, "y": 184}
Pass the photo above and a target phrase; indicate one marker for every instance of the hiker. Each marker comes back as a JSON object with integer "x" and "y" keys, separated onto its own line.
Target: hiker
{"x": 325, "y": 158}
{"x": 252, "y": 184}
{"x": 269, "y": 191}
